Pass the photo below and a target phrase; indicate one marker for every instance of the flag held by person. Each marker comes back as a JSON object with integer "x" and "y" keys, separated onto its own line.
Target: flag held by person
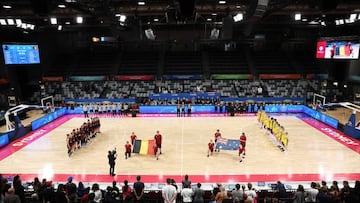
{"x": 227, "y": 144}
{"x": 144, "y": 147}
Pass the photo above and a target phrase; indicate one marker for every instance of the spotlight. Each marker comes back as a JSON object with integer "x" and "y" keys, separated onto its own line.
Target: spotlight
{"x": 149, "y": 33}
{"x": 238, "y": 17}
{"x": 53, "y": 21}
{"x": 297, "y": 16}
{"x": 79, "y": 19}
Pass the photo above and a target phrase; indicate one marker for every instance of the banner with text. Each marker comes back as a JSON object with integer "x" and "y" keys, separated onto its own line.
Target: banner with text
{"x": 317, "y": 76}
{"x": 89, "y": 78}
{"x": 134, "y": 77}
{"x": 232, "y": 76}
{"x": 182, "y": 77}
{"x": 279, "y": 76}
{"x": 52, "y": 79}
{"x": 170, "y": 96}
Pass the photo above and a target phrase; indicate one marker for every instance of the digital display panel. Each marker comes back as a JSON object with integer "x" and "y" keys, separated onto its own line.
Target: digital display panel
{"x": 21, "y": 54}
{"x": 337, "y": 49}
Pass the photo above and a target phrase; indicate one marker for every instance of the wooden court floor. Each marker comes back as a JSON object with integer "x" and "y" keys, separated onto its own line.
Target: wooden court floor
{"x": 184, "y": 149}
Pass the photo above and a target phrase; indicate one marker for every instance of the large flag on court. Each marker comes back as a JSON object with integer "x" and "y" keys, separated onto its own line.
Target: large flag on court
{"x": 227, "y": 144}
{"x": 143, "y": 147}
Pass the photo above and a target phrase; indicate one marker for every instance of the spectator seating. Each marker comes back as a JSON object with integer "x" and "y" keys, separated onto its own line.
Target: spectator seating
{"x": 228, "y": 63}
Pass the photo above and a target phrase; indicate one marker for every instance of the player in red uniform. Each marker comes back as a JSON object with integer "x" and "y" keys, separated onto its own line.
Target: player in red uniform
{"x": 156, "y": 151}
{"x": 133, "y": 138}
{"x": 127, "y": 150}
{"x": 243, "y": 141}
{"x": 241, "y": 152}
{"x": 158, "y": 140}
{"x": 217, "y": 135}
{"x": 211, "y": 146}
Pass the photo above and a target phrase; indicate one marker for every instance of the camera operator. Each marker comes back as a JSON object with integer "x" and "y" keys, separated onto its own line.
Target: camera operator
{"x": 112, "y": 157}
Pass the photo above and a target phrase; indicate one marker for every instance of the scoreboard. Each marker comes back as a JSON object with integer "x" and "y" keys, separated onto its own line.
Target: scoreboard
{"x": 21, "y": 54}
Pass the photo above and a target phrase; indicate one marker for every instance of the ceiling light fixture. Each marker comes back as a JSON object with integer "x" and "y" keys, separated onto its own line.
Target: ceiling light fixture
{"x": 122, "y": 18}
{"x": 59, "y": 27}
{"x": 79, "y": 20}
{"x": 7, "y": 6}
{"x": 353, "y": 16}
{"x": 67, "y": 23}
{"x": 209, "y": 19}
{"x": 61, "y": 6}
{"x": 53, "y": 21}
{"x": 341, "y": 21}
{"x": 18, "y": 21}
{"x": 222, "y": 2}
{"x": 10, "y": 21}
{"x": 238, "y": 17}
{"x": 156, "y": 19}
{"x": 297, "y": 16}
{"x": 3, "y": 22}
{"x": 141, "y": 3}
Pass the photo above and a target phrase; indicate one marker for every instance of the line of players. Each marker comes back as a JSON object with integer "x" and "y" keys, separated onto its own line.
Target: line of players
{"x": 156, "y": 146}
{"x": 111, "y": 109}
{"x": 217, "y": 136}
{"x": 80, "y": 137}
{"x": 274, "y": 127}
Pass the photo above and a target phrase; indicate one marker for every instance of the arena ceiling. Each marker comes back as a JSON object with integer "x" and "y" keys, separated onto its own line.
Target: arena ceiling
{"x": 253, "y": 16}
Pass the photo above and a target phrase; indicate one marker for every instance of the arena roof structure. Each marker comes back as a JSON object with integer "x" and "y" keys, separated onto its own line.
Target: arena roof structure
{"x": 235, "y": 19}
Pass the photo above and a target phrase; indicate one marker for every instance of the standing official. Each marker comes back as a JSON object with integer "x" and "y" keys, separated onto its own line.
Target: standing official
{"x": 112, "y": 157}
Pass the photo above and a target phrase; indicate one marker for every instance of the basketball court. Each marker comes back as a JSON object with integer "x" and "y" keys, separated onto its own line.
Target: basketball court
{"x": 315, "y": 151}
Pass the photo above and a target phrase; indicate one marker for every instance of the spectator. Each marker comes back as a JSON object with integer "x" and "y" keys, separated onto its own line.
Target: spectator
{"x": 346, "y": 193}
{"x": 299, "y": 196}
{"x": 81, "y": 190}
{"x": 281, "y": 189}
{"x": 11, "y": 197}
{"x": 250, "y": 193}
{"x": 187, "y": 193}
{"x": 198, "y": 194}
{"x": 139, "y": 190}
{"x": 19, "y": 188}
{"x": 97, "y": 192}
{"x": 323, "y": 196}
{"x": 169, "y": 192}
{"x": 37, "y": 188}
{"x": 71, "y": 190}
{"x": 186, "y": 182}
{"x": 221, "y": 195}
{"x": 310, "y": 194}
{"x": 126, "y": 192}
{"x": 238, "y": 193}
{"x": 60, "y": 195}
{"x": 115, "y": 191}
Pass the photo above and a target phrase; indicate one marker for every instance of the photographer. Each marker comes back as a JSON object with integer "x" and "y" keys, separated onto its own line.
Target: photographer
{"x": 112, "y": 157}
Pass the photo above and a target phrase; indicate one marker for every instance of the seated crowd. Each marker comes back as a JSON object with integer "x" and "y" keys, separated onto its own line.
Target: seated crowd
{"x": 69, "y": 192}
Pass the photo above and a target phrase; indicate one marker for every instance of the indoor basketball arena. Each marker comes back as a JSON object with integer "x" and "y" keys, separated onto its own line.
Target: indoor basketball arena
{"x": 251, "y": 101}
